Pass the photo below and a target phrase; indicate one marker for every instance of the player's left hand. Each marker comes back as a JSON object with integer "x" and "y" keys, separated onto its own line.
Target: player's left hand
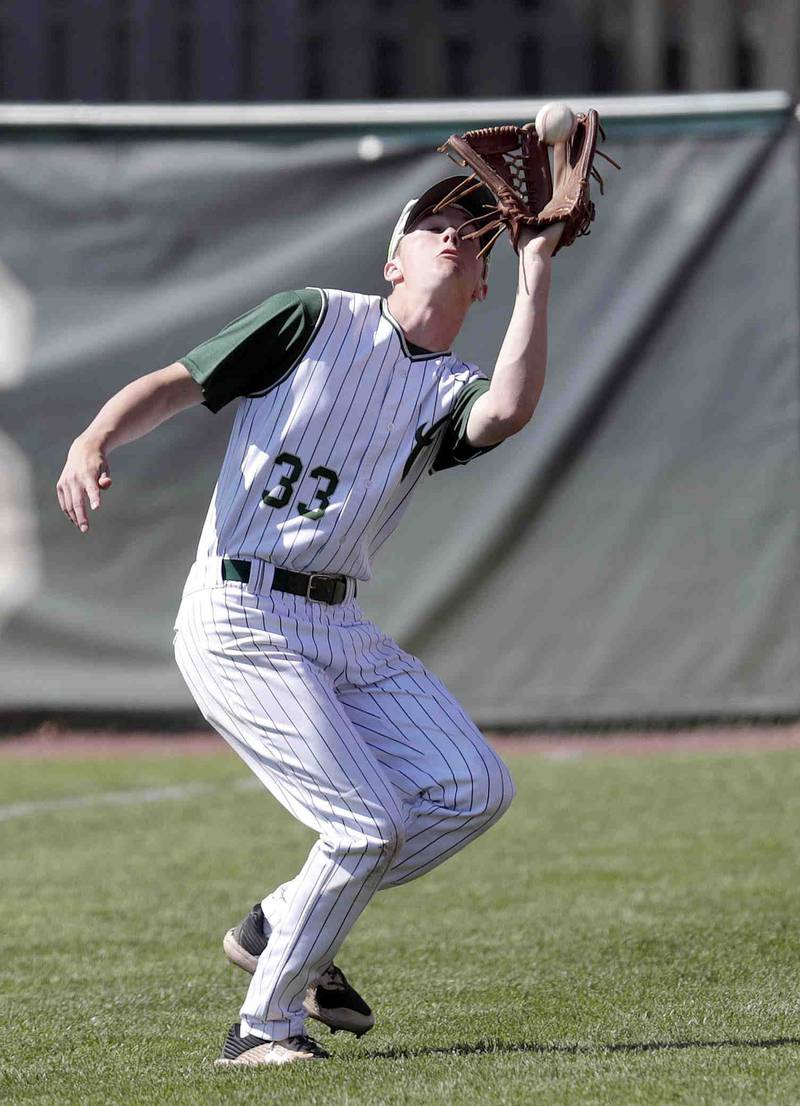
{"x": 83, "y": 477}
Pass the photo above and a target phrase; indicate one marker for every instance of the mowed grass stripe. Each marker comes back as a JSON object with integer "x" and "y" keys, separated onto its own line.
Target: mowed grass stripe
{"x": 134, "y": 797}
{"x": 627, "y": 934}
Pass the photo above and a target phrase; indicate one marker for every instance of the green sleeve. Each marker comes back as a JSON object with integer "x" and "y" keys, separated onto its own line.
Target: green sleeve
{"x": 455, "y": 448}
{"x": 259, "y": 349}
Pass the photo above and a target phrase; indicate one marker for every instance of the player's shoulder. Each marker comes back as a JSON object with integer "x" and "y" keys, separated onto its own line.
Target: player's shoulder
{"x": 460, "y": 372}
{"x": 358, "y": 300}
{"x": 310, "y": 300}
{"x": 345, "y": 309}
{"x": 278, "y": 307}
{"x": 459, "y": 367}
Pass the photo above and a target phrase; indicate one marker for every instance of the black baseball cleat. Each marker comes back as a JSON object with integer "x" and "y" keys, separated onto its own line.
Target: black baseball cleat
{"x": 330, "y": 1000}
{"x": 241, "y": 1051}
{"x": 244, "y": 943}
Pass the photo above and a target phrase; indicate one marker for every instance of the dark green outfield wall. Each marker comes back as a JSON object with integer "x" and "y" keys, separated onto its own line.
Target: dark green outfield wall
{"x": 631, "y": 554}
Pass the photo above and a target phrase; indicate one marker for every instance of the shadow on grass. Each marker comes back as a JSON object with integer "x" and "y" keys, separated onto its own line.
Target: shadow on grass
{"x": 486, "y": 1046}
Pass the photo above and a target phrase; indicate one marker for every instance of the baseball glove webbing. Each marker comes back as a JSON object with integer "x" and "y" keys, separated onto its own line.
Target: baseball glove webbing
{"x": 514, "y": 163}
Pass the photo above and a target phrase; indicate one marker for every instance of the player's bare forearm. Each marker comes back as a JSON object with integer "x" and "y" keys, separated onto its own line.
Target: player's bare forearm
{"x": 519, "y": 372}
{"x": 143, "y": 405}
{"x": 134, "y": 411}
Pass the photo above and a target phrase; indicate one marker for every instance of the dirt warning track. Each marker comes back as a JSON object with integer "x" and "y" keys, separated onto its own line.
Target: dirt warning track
{"x": 49, "y": 742}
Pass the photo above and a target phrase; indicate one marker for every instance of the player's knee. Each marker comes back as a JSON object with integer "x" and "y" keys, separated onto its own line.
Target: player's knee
{"x": 501, "y": 792}
{"x": 389, "y": 836}
{"x": 509, "y": 792}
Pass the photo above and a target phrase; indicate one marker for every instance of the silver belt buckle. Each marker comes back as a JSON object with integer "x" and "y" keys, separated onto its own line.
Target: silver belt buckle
{"x": 313, "y": 576}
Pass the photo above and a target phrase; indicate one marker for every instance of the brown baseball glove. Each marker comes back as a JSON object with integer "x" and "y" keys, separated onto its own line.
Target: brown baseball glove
{"x": 514, "y": 164}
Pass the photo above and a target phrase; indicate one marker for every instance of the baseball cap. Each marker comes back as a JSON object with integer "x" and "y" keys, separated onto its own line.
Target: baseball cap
{"x": 476, "y": 203}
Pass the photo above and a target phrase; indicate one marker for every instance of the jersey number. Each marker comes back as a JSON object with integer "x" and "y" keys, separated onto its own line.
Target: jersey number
{"x": 280, "y": 495}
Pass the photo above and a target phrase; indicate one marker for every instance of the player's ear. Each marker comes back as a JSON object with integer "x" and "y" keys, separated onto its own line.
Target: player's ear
{"x": 393, "y": 270}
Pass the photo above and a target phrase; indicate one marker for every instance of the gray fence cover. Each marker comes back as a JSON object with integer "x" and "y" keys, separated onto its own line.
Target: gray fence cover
{"x": 631, "y": 554}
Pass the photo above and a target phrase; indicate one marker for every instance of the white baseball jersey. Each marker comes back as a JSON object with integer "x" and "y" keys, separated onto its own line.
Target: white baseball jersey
{"x": 325, "y": 452}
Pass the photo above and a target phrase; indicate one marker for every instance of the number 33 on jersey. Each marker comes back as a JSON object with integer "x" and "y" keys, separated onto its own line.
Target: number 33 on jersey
{"x": 280, "y": 495}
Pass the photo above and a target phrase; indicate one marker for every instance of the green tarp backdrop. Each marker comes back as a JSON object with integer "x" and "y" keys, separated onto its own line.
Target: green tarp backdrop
{"x": 631, "y": 555}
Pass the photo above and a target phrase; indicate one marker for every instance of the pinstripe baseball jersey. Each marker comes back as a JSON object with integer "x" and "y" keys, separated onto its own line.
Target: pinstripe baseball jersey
{"x": 339, "y": 420}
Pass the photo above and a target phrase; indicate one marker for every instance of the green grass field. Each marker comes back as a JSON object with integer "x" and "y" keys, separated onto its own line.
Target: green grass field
{"x": 627, "y": 934}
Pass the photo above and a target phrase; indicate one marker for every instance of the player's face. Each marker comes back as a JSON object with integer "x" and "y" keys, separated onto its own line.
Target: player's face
{"x": 434, "y": 251}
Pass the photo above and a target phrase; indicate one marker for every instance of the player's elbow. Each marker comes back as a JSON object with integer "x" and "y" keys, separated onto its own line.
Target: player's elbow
{"x": 493, "y": 424}
{"x": 510, "y": 421}
{"x": 512, "y": 410}
{"x": 518, "y": 419}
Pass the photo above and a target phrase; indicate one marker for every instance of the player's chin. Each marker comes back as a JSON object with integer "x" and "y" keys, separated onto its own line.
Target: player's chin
{"x": 444, "y": 269}
{"x": 460, "y": 268}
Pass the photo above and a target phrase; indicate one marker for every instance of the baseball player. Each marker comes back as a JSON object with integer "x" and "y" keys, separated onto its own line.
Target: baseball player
{"x": 345, "y": 404}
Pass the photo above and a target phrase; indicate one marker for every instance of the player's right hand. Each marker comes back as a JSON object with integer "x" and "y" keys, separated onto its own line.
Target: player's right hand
{"x": 84, "y": 476}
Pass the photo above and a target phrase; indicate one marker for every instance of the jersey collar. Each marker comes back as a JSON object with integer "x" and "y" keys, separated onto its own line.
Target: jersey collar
{"x": 412, "y": 352}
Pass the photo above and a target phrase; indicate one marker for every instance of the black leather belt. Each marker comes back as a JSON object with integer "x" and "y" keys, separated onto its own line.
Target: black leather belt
{"x": 322, "y": 589}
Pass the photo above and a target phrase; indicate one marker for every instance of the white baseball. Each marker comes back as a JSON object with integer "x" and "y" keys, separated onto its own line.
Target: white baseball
{"x": 554, "y": 122}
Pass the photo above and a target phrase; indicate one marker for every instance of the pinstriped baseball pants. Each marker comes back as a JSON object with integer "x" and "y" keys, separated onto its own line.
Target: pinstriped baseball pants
{"x": 358, "y": 741}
